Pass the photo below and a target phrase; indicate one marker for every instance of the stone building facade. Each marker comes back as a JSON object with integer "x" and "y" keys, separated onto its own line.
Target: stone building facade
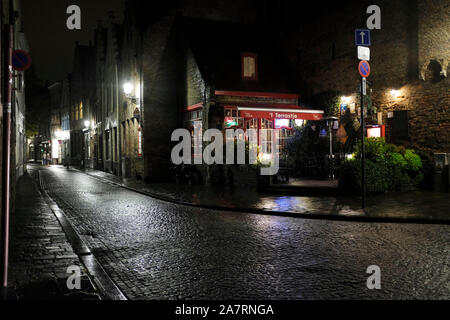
{"x": 82, "y": 101}
{"x": 55, "y": 122}
{"x": 65, "y": 110}
{"x": 137, "y": 82}
{"x": 131, "y": 101}
{"x": 409, "y": 65}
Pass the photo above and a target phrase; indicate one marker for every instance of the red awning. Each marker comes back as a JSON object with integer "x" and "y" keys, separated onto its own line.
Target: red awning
{"x": 280, "y": 113}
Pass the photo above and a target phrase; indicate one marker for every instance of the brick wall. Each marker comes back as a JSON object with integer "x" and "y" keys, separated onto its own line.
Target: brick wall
{"x": 192, "y": 81}
{"x": 434, "y": 33}
{"x": 160, "y": 96}
{"x": 413, "y": 33}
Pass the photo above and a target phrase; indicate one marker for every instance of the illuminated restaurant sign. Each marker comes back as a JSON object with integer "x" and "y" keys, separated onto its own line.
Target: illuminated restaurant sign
{"x": 230, "y": 122}
{"x": 273, "y": 113}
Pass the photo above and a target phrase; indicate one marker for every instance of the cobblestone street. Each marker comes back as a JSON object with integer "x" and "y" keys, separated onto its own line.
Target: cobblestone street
{"x": 40, "y": 251}
{"x": 159, "y": 250}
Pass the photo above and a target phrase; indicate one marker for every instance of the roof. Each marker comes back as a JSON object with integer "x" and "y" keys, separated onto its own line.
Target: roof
{"x": 217, "y": 48}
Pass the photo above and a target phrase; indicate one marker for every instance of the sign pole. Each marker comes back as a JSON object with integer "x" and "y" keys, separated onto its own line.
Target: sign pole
{"x": 363, "y": 153}
{"x": 363, "y": 41}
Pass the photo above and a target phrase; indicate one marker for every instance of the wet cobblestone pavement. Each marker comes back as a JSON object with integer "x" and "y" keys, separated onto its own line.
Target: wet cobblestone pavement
{"x": 158, "y": 250}
{"x": 402, "y": 205}
{"x": 40, "y": 252}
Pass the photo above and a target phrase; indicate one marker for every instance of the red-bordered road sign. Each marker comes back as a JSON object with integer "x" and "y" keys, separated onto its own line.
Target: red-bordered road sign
{"x": 21, "y": 60}
{"x": 364, "y": 69}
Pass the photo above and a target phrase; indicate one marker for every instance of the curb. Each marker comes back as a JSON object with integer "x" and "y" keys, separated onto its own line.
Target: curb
{"x": 107, "y": 288}
{"x": 277, "y": 213}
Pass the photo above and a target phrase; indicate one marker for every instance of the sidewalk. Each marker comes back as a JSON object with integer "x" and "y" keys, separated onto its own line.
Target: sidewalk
{"x": 414, "y": 206}
{"x": 40, "y": 252}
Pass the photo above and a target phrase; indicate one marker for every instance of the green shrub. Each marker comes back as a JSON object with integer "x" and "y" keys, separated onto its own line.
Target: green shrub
{"x": 388, "y": 167}
{"x": 413, "y": 160}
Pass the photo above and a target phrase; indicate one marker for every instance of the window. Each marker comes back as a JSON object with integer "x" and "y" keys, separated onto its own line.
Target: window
{"x": 124, "y": 138}
{"x": 107, "y": 144}
{"x": 81, "y": 110}
{"x": 249, "y": 64}
{"x": 232, "y": 119}
{"x": 266, "y": 136}
{"x": 139, "y": 141}
{"x": 400, "y": 127}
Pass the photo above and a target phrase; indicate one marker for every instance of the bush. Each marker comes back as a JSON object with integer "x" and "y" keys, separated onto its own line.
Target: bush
{"x": 388, "y": 167}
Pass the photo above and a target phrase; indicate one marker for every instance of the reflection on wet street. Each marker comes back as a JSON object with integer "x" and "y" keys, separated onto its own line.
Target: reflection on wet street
{"x": 154, "y": 249}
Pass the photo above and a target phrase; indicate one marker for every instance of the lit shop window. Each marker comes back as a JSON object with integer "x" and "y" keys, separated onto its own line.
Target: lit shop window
{"x": 139, "y": 141}
{"x": 81, "y": 110}
{"x": 232, "y": 119}
{"x": 249, "y": 66}
{"x": 266, "y": 136}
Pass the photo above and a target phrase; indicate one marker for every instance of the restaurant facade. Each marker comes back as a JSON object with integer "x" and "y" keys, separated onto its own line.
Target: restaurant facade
{"x": 240, "y": 86}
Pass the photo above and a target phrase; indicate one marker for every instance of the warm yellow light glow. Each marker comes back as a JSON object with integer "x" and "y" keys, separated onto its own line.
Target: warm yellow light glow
{"x": 127, "y": 88}
{"x": 395, "y": 93}
{"x": 374, "y": 132}
{"x": 55, "y": 149}
{"x": 346, "y": 99}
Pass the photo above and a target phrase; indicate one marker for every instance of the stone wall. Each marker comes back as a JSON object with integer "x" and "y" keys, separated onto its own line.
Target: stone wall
{"x": 413, "y": 34}
{"x": 160, "y": 96}
{"x": 434, "y": 34}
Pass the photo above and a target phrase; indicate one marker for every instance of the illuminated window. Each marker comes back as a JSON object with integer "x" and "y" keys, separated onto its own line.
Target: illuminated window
{"x": 266, "y": 136}
{"x": 81, "y": 110}
{"x": 249, "y": 63}
{"x": 281, "y": 123}
{"x": 139, "y": 141}
{"x": 374, "y": 132}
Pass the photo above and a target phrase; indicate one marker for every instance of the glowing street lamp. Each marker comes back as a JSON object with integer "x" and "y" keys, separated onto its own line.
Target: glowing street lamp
{"x": 395, "y": 93}
{"x": 346, "y": 99}
{"x": 127, "y": 88}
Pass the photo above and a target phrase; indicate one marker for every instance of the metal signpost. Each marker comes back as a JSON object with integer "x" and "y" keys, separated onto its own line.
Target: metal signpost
{"x": 362, "y": 41}
{"x": 18, "y": 60}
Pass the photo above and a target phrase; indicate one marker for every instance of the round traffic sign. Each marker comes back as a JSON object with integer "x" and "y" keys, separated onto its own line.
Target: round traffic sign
{"x": 21, "y": 60}
{"x": 364, "y": 69}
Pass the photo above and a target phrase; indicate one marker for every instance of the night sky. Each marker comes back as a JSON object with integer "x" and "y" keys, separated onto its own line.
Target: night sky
{"x": 51, "y": 43}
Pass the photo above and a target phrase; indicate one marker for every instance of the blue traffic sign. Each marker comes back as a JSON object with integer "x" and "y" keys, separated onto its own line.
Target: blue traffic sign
{"x": 362, "y": 37}
{"x": 364, "y": 69}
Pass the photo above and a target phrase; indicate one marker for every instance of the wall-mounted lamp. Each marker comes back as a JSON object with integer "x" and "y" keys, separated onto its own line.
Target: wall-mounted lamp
{"x": 87, "y": 123}
{"x": 127, "y": 88}
{"x": 346, "y": 99}
{"x": 395, "y": 93}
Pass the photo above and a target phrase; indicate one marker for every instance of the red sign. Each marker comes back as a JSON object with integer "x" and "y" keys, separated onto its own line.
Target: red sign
{"x": 364, "y": 69}
{"x": 271, "y": 115}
